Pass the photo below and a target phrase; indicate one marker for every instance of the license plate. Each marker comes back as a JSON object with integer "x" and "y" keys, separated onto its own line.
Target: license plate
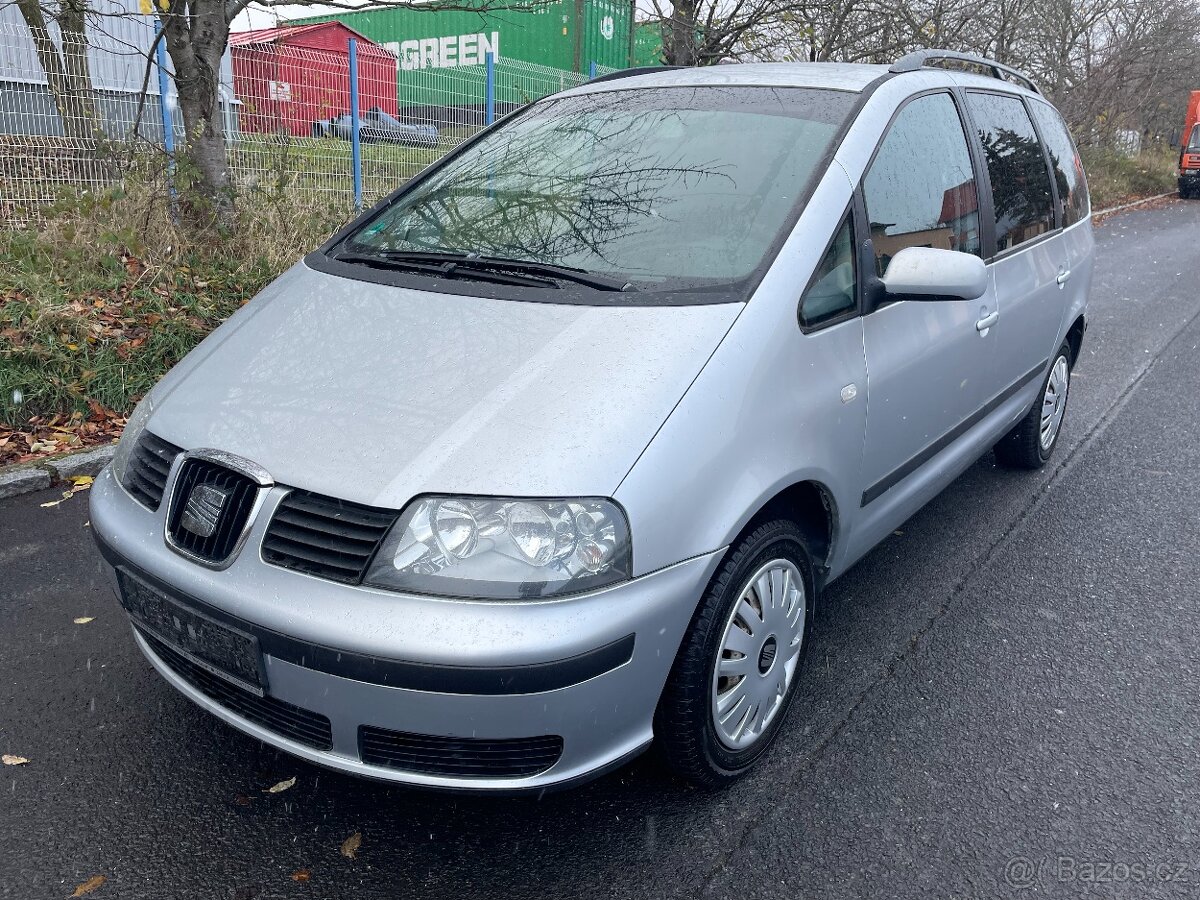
{"x": 224, "y": 651}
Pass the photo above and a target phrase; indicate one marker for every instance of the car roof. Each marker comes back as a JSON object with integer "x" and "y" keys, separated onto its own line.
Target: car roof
{"x": 836, "y": 76}
{"x": 833, "y": 76}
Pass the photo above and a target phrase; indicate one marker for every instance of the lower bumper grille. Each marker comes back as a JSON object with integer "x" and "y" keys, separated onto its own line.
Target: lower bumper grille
{"x": 473, "y": 757}
{"x": 293, "y": 722}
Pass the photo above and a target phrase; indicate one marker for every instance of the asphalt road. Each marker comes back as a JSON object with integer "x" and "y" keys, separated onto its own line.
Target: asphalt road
{"x": 1001, "y": 700}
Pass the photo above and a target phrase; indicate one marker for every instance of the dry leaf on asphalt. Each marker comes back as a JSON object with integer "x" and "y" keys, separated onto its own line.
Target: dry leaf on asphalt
{"x": 83, "y": 620}
{"x": 279, "y": 788}
{"x": 351, "y": 844}
{"x": 10, "y": 760}
{"x": 82, "y": 482}
{"x": 302, "y": 875}
{"x": 90, "y": 885}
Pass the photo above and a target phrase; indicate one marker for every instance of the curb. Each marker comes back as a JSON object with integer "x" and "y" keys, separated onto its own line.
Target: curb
{"x": 40, "y": 474}
{"x": 1097, "y": 213}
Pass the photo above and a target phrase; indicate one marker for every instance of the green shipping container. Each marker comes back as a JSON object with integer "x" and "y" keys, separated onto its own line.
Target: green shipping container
{"x": 647, "y": 44}
{"x": 442, "y": 51}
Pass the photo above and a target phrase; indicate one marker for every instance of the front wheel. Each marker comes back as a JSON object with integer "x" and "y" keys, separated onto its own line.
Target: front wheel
{"x": 736, "y": 672}
{"x": 1032, "y": 441}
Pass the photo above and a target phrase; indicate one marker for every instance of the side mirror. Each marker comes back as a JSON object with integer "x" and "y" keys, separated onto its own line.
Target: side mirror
{"x": 931, "y": 274}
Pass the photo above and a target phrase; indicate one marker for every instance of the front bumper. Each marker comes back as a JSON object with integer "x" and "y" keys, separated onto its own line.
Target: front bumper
{"x": 426, "y": 666}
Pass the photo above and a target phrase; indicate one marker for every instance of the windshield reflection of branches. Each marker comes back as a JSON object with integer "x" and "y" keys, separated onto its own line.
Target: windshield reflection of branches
{"x": 562, "y": 190}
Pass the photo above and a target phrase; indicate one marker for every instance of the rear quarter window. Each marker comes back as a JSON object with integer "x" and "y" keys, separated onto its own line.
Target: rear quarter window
{"x": 1064, "y": 158}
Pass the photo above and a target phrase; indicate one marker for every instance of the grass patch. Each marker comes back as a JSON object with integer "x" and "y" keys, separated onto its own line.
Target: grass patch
{"x": 1114, "y": 178}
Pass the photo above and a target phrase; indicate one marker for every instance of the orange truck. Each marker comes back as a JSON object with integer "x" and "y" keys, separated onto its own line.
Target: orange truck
{"x": 1189, "y": 150}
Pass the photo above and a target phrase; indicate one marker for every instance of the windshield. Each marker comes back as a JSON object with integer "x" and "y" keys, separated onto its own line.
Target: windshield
{"x": 668, "y": 189}
{"x": 1194, "y": 140}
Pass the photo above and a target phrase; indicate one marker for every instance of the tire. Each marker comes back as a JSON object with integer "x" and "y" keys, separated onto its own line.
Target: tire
{"x": 1026, "y": 446}
{"x": 685, "y": 722}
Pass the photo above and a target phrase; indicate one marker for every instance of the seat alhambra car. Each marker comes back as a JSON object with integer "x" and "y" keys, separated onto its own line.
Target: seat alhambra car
{"x": 548, "y": 456}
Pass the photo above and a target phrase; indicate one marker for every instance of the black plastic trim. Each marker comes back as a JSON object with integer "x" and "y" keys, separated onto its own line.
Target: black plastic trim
{"x": 893, "y": 478}
{"x": 533, "y": 678}
{"x": 629, "y": 73}
{"x": 848, "y": 218}
{"x": 465, "y": 757}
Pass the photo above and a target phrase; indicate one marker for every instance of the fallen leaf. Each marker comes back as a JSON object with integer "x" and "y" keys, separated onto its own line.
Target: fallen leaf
{"x": 279, "y": 788}
{"x": 351, "y": 844}
{"x": 83, "y": 620}
{"x": 302, "y": 875}
{"x": 10, "y": 760}
{"x": 90, "y": 885}
{"x": 82, "y": 482}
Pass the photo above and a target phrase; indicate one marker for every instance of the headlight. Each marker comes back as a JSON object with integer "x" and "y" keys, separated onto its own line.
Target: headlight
{"x": 133, "y": 428}
{"x": 503, "y": 549}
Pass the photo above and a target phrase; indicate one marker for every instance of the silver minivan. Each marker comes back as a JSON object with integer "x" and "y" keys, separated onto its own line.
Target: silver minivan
{"x": 548, "y": 456}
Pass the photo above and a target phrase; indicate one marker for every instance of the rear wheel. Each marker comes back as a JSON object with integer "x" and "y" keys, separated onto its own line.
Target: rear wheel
{"x": 1031, "y": 443}
{"x": 737, "y": 669}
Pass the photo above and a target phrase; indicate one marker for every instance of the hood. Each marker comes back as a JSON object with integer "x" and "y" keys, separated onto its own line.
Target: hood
{"x": 375, "y": 393}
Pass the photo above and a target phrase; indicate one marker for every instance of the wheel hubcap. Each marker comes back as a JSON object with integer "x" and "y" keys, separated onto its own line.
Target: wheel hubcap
{"x": 758, "y": 655}
{"x": 1054, "y": 402}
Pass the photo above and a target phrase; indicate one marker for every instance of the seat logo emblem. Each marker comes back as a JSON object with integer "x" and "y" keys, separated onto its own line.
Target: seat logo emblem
{"x": 203, "y": 510}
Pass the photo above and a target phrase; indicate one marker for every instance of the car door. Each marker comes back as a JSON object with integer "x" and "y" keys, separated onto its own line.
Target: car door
{"x": 928, "y": 364}
{"x": 1074, "y": 209}
{"x": 1029, "y": 267}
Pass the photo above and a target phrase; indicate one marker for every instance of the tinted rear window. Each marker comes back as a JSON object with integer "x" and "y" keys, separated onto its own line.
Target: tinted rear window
{"x": 676, "y": 190}
{"x": 1017, "y": 167}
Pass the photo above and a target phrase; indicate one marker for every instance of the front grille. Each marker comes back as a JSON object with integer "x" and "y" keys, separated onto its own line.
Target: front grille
{"x": 474, "y": 757}
{"x": 296, "y": 723}
{"x": 228, "y": 515}
{"x": 146, "y": 471}
{"x": 325, "y": 537}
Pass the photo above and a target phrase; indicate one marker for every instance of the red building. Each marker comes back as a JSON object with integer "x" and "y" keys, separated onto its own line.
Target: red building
{"x": 287, "y": 78}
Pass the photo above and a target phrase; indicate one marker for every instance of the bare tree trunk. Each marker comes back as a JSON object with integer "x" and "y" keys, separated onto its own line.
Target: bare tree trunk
{"x": 68, "y": 75}
{"x": 196, "y": 40}
{"x": 679, "y": 34}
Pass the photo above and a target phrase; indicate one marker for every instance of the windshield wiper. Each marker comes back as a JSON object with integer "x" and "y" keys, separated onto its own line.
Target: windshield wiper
{"x": 449, "y": 262}
{"x": 440, "y": 269}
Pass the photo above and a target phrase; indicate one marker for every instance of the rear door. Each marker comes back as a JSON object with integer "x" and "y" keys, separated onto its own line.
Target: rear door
{"x": 1074, "y": 206}
{"x": 928, "y": 365}
{"x": 1029, "y": 265}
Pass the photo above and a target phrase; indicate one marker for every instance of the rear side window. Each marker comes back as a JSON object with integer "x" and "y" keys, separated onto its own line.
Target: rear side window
{"x": 920, "y": 189}
{"x": 832, "y": 293}
{"x": 1064, "y": 159}
{"x": 1024, "y": 205}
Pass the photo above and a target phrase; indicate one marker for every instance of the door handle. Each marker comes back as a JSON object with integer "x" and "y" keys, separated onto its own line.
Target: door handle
{"x": 1063, "y": 276}
{"x": 987, "y": 322}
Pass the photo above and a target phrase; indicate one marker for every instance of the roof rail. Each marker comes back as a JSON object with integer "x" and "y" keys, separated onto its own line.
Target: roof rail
{"x": 919, "y": 59}
{"x": 626, "y": 73}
